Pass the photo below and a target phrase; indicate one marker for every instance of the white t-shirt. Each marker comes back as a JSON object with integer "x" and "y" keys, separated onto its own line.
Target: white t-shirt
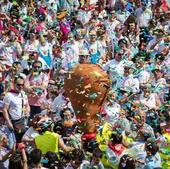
{"x": 143, "y": 17}
{"x": 14, "y": 100}
{"x": 149, "y": 101}
{"x": 115, "y": 68}
{"x": 131, "y": 84}
{"x": 31, "y": 133}
{"x": 83, "y": 16}
{"x": 59, "y": 103}
{"x": 143, "y": 77}
{"x": 72, "y": 55}
{"x": 112, "y": 111}
{"x": 93, "y": 2}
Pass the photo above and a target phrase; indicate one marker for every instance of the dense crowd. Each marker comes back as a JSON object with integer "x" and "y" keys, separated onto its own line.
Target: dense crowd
{"x": 42, "y": 40}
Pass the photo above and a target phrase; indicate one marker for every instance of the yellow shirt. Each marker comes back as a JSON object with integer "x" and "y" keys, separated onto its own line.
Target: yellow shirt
{"x": 103, "y": 137}
{"x": 47, "y": 142}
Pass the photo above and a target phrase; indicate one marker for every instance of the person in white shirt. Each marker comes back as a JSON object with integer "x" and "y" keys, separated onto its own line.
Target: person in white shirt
{"x": 16, "y": 107}
{"x": 45, "y": 54}
{"x": 157, "y": 43}
{"x": 71, "y": 50}
{"x": 111, "y": 108}
{"x": 149, "y": 99}
{"x": 141, "y": 72}
{"x": 144, "y": 16}
{"x": 128, "y": 82}
{"x": 32, "y": 132}
{"x": 94, "y": 48}
{"x": 115, "y": 67}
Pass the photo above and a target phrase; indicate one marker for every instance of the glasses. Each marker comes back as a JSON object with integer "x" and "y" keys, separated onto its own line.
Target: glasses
{"x": 37, "y": 67}
{"x": 20, "y": 84}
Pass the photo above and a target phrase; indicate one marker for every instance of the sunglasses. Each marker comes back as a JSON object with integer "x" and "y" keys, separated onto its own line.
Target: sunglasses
{"x": 37, "y": 67}
{"x": 20, "y": 84}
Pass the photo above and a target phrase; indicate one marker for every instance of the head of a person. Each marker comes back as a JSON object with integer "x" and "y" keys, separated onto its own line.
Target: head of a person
{"x": 131, "y": 27}
{"x": 116, "y": 138}
{"x": 144, "y": 4}
{"x": 143, "y": 44}
{"x": 123, "y": 44}
{"x": 77, "y": 156}
{"x": 45, "y": 124}
{"x": 93, "y": 36}
{"x": 78, "y": 35}
{"x": 112, "y": 15}
{"x": 36, "y": 67}
{"x": 126, "y": 162}
{"x": 71, "y": 38}
{"x": 151, "y": 148}
{"x": 95, "y": 13}
{"x": 32, "y": 36}
{"x": 52, "y": 160}
{"x": 35, "y": 156}
{"x": 111, "y": 96}
{"x": 56, "y": 49}
{"x": 139, "y": 118}
{"x": 159, "y": 33}
{"x": 119, "y": 29}
{"x": 16, "y": 67}
{"x": 90, "y": 145}
{"x": 33, "y": 55}
{"x": 66, "y": 115}
{"x": 84, "y": 53}
{"x": 12, "y": 37}
{"x": 158, "y": 73}
{"x": 97, "y": 155}
{"x": 146, "y": 90}
{"x": 15, "y": 161}
{"x": 18, "y": 83}
{"x": 127, "y": 71}
{"x": 118, "y": 55}
{"x": 3, "y": 140}
{"x": 101, "y": 30}
{"x": 93, "y": 22}
{"x": 52, "y": 89}
{"x": 139, "y": 63}
{"x": 36, "y": 121}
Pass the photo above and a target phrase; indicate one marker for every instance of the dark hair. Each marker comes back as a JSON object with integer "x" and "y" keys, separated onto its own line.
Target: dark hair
{"x": 1, "y": 88}
{"x": 1, "y": 114}
{"x": 90, "y": 145}
{"x": 35, "y": 156}
{"x": 97, "y": 153}
{"x": 126, "y": 162}
{"x": 65, "y": 109}
{"x": 124, "y": 41}
{"x": 53, "y": 161}
{"x": 15, "y": 161}
{"x": 116, "y": 138}
{"x": 77, "y": 154}
{"x": 36, "y": 61}
{"x": 18, "y": 77}
{"x": 159, "y": 56}
{"x": 16, "y": 63}
{"x": 152, "y": 147}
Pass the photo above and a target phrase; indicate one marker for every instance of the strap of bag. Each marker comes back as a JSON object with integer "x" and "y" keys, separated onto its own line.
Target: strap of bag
{"x": 22, "y": 97}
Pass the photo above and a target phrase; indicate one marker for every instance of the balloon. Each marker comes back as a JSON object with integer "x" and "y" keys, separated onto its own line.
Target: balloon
{"x": 87, "y": 87}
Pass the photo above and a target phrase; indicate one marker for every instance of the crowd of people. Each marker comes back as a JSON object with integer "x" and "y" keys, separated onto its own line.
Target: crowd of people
{"x": 42, "y": 40}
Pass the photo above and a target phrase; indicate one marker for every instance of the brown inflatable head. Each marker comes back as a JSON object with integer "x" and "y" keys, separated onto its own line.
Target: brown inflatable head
{"x": 87, "y": 87}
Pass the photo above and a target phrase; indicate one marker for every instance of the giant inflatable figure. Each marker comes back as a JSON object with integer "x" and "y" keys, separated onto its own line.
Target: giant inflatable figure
{"x": 87, "y": 87}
